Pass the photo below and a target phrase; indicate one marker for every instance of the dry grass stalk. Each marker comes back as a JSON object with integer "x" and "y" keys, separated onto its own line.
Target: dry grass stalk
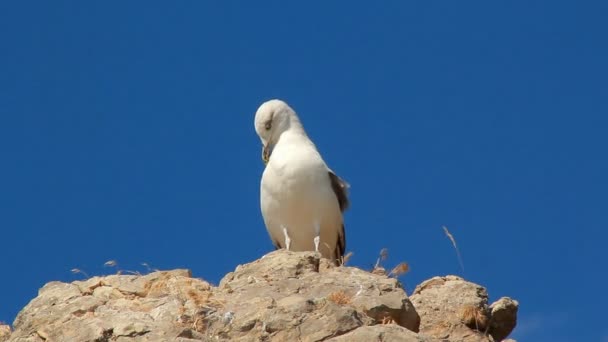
{"x": 344, "y": 259}
{"x": 110, "y": 263}
{"x": 451, "y": 237}
{"x": 473, "y": 317}
{"x": 199, "y": 324}
{"x": 383, "y": 255}
{"x": 199, "y": 298}
{"x": 400, "y": 269}
{"x": 378, "y": 269}
{"x": 148, "y": 268}
{"x": 114, "y": 263}
{"x": 77, "y": 270}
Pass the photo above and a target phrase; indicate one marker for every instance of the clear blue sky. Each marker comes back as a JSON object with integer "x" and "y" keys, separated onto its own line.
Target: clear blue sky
{"x": 126, "y": 133}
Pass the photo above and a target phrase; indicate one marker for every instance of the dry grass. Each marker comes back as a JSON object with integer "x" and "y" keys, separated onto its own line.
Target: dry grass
{"x": 378, "y": 269}
{"x": 400, "y": 269}
{"x": 345, "y": 258}
{"x": 159, "y": 285}
{"x": 383, "y": 255}
{"x": 110, "y": 263}
{"x": 199, "y": 324}
{"x": 118, "y": 271}
{"x": 451, "y": 237}
{"x": 340, "y": 297}
{"x": 77, "y": 271}
{"x": 114, "y": 263}
{"x": 148, "y": 268}
{"x": 473, "y": 317}
{"x": 200, "y": 298}
{"x": 195, "y": 322}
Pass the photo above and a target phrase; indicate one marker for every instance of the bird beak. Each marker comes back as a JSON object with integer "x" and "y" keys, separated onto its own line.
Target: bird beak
{"x": 265, "y": 153}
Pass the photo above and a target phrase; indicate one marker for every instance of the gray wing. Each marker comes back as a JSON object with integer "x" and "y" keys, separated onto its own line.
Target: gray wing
{"x": 340, "y": 188}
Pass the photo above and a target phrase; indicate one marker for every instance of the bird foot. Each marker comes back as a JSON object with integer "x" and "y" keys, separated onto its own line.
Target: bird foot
{"x": 287, "y": 239}
{"x": 317, "y": 239}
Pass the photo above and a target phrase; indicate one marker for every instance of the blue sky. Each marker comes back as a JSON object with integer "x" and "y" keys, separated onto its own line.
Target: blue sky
{"x": 127, "y": 134}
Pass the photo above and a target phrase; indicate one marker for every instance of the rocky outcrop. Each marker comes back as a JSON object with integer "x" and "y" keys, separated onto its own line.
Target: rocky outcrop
{"x": 457, "y": 310}
{"x": 5, "y": 332}
{"x": 284, "y": 296}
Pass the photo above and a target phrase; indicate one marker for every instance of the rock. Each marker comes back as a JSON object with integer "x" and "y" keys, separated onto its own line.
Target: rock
{"x": 455, "y": 309}
{"x": 283, "y": 296}
{"x": 384, "y": 332}
{"x": 5, "y": 332}
{"x": 116, "y": 307}
{"x": 298, "y": 295}
{"x": 503, "y": 318}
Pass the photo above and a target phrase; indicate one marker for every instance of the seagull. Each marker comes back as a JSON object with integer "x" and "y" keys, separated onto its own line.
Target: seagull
{"x": 302, "y": 200}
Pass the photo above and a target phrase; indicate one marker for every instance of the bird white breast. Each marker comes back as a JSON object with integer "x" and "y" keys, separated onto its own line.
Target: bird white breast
{"x": 296, "y": 194}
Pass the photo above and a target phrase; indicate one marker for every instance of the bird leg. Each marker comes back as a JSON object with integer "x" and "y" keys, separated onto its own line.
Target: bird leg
{"x": 317, "y": 238}
{"x": 287, "y": 239}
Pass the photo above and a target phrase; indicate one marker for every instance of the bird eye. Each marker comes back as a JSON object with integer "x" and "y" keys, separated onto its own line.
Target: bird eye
{"x": 268, "y": 125}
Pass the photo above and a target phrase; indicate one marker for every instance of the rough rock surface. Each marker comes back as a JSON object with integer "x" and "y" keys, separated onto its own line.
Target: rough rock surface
{"x": 5, "y": 332}
{"x": 503, "y": 317}
{"x": 284, "y": 296}
{"x": 455, "y": 309}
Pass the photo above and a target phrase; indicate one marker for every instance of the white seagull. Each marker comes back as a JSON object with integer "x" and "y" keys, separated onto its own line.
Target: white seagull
{"x": 302, "y": 200}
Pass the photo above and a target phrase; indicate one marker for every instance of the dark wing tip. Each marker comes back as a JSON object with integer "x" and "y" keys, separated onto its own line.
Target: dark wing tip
{"x": 341, "y": 245}
{"x": 340, "y": 188}
{"x": 277, "y": 244}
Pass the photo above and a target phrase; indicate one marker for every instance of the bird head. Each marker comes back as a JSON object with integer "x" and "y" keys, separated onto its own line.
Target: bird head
{"x": 272, "y": 119}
